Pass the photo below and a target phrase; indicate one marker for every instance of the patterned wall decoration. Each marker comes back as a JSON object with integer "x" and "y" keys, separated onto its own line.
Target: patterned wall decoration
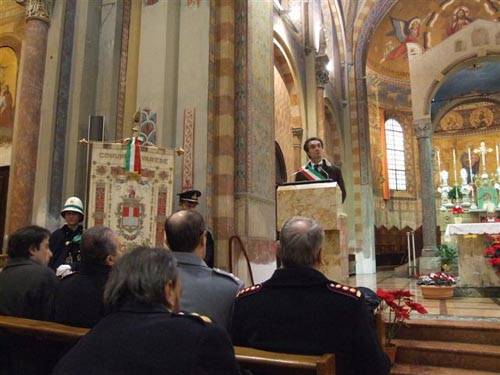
{"x": 134, "y": 206}
{"x": 470, "y": 118}
{"x": 148, "y": 125}
{"x": 188, "y": 146}
{"x": 282, "y": 124}
{"x": 122, "y": 78}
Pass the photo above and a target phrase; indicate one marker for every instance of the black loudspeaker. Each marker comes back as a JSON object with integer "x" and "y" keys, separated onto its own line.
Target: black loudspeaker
{"x": 96, "y": 128}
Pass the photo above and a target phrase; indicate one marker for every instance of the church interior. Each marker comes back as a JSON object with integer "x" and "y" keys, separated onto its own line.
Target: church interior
{"x": 405, "y": 95}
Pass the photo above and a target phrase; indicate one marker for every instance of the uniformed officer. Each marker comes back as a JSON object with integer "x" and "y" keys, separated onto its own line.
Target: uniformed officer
{"x": 143, "y": 333}
{"x": 205, "y": 290}
{"x": 299, "y": 310}
{"x": 188, "y": 200}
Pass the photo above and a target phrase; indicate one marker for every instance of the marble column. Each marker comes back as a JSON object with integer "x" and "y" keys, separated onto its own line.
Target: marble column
{"x": 423, "y": 131}
{"x": 27, "y": 121}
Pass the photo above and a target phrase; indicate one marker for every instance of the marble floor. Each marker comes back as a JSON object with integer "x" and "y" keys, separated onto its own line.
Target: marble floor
{"x": 457, "y": 308}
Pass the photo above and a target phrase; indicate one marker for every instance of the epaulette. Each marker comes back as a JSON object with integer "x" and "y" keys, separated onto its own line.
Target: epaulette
{"x": 199, "y": 318}
{"x": 227, "y": 274}
{"x": 250, "y": 290}
{"x": 345, "y": 290}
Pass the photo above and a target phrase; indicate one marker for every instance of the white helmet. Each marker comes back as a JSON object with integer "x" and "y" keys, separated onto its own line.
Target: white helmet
{"x": 73, "y": 204}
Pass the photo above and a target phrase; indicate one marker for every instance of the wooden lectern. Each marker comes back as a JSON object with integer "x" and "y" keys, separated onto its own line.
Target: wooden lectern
{"x": 321, "y": 201}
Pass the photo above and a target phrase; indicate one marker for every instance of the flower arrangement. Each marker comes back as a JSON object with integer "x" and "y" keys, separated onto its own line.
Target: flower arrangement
{"x": 492, "y": 254}
{"x": 437, "y": 279}
{"x": 455, "y": 193}
{"x": 457, "y": 210}
{"x": 400, "y": 304}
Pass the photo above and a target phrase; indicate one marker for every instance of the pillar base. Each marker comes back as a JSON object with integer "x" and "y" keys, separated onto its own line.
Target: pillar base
{"x": 429, "y": 264}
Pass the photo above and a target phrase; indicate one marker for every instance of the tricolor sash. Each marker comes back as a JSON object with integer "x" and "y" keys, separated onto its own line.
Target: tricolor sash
{"x": 311, "y": 174}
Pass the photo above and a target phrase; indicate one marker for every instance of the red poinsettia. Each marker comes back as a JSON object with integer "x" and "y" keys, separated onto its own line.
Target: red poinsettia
{"x": 457, "y": 210}
{"x": 400, "y": 306}
{"x": 492, "y": 254}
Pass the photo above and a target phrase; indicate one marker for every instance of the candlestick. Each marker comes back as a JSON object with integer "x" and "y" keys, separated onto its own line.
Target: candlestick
{"x": 438, "y": 160}
{"x": 455, "y": 166}
{"x": 470, "y": 165}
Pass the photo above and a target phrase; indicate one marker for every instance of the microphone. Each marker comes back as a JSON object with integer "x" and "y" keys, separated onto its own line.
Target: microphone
{"x": 321, "y": 170}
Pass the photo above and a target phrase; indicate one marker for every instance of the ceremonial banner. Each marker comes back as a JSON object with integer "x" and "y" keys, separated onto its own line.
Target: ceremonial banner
{"x": 134, "y": 205}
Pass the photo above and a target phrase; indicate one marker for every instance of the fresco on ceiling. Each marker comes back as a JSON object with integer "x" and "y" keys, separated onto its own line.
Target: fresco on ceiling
{"x": 426, "y": 22}
{"x": 386, "y": 92}
{"x": 477, "y": 78}
{"x": 469, "y": 118}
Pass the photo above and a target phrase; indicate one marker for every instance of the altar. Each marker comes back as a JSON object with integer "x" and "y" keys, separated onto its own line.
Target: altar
{"x": 473, "y": 268}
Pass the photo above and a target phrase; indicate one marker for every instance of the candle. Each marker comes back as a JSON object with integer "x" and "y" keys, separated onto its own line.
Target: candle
{"x": 455, "y": 166}
{"x": 470, "y": 165}
{"x": 498, "y": 164}
{"x": 438, "y": 160}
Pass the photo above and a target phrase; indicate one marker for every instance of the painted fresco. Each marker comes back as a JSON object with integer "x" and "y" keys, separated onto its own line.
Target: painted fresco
{"x": 8, "y": 79}
{"x": 425, "y": 22}
{"x": 470, "y": 118}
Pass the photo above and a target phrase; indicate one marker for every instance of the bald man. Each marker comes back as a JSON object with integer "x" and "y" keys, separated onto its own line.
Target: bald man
{"x": 207, "y": 291}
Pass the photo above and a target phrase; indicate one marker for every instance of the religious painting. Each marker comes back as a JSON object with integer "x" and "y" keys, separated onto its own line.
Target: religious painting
{"x": 8, "y": 80}
{"x": 481, "y": 117}
{"x": 460, "y": 19}
{"x": 452, "y": 121}
{"x": 424, "y": 22}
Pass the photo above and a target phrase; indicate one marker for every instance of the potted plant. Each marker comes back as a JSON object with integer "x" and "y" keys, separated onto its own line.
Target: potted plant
{"x": 449, "y": 256}
{"x": 399, "y": 304}
{"x": 492, "y": 253}
{"x": 437, "y": 285}
{"x": 457, "y": 212}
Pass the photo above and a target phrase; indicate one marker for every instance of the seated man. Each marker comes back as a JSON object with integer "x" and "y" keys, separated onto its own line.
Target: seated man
{"x": 143, "y": 333}
{"x": 27, "y": 285}
{"x": 205, "y": 290}
{"x": 78, "y": 300}
{"x": 300, "y": 311}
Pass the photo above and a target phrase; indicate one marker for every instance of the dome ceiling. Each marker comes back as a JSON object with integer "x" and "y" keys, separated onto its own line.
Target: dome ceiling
{"x": 426, "y": 22}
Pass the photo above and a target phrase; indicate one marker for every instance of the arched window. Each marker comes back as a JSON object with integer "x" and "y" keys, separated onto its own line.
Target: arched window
{"x": 395, "y": 149}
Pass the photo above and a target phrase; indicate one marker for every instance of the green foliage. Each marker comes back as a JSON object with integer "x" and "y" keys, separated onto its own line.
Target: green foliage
{"x": 447, "y": 253}
{"x": 455, "y": 193}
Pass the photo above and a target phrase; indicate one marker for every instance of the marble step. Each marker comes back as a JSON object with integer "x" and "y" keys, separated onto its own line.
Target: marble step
{"x": 474, "y": 332}
{"x": 449, "y": 354}
{"x": 409, "y": 369}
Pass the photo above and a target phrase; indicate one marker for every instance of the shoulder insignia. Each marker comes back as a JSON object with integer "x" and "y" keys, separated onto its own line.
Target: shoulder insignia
{"x": 227, "y": 274}
{"x": 195, "y": 316}
{"x": 250, "y": 290}
{"x": 344, "y": 289}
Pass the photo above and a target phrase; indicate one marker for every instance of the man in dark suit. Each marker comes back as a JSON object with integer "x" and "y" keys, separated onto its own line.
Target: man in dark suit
{"x": 78, "y": 300}
{"x": 144, "y": 333}
{"x": 298, "y": 310}
{"x": 27, "y": 285}
{"x": 318, "y": 168}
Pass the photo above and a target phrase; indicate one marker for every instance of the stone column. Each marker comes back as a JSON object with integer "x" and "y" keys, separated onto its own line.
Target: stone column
{"x": 297, "y": 146}
{"x": 322, "y": 79}
{"x": 428, "y": 262}
{"x": 27, "y": 121}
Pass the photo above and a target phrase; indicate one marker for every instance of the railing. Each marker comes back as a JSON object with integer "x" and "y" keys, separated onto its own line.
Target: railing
{"x": 245, "y": 254}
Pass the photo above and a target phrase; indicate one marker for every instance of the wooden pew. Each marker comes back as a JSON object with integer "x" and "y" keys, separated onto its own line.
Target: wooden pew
{"x": 61, "y": 337}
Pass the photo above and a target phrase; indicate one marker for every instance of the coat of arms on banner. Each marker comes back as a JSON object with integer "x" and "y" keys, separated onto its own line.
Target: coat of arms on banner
{"x": 134, "y": 205}
{"x": 130, "y": 215}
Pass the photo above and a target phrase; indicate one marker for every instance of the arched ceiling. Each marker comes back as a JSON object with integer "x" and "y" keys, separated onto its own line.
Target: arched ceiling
{"x": 426, "y": 22}
{"x": 476, "y": 78}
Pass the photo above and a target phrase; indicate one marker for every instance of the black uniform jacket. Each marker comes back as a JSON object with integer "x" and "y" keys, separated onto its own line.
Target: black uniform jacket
{"x": 141, "y": 339}
{"x": 300, "y": 311}
{"x": 60, "y": 243}
{"x": 334, "y": 173}
{"x": 27, "y": 289}
{"x": 78, "y": 300}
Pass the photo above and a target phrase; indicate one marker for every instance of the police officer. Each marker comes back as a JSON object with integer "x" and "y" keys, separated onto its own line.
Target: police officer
{"x": 188, "y": 200}
{"x": 65, "y": 241}
{"x": 299, "y": 310}
{"x": 143, "y": 332}
{"x": 204, "y": 290}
